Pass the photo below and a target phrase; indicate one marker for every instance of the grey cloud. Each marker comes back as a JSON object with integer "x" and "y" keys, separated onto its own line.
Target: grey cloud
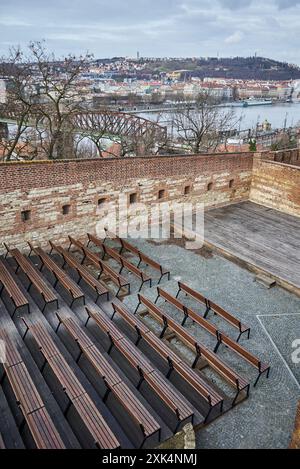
{"x": 155, "y": 27}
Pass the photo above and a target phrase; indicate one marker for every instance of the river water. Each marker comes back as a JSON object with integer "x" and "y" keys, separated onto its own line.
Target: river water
{"x": 279, "y": 115}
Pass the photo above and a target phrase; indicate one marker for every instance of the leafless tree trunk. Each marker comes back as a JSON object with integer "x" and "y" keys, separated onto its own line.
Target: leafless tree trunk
{"x": 201, "y": 125}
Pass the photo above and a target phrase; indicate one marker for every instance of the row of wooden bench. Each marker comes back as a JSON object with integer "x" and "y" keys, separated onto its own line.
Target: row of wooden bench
{"x": 19, "y": 299}
{"x": 28, "y": 399}
{"x": 147, "y": 372}
{"x": 209, "y": 396}
{"x": 78, "y": 397}
{"x": 142, "y": 257}
{"x": 216, "y": 309}
{"x": 221, "y": 338}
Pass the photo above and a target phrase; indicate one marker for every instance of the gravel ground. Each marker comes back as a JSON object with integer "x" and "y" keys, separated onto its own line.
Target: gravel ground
{"x": 266, "y": 419}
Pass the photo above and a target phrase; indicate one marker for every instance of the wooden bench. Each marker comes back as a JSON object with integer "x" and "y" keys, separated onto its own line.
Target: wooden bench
{"x": 103, "y": 267}
{"x": 83, "y": 272}
{"x": 201, "y": 351}
{"x": 59, "y": 274}
{"x": 125, "y": 264}
{"x": 113, "y": 382}
{"x": 211, "y": 306}
{"x": 34, "y": 277}
{"x": 220, "y": 336}
{"x": 146, "y": 371}
{"x": 13, "y": 290}
{"x": 211, "y": 397}
{"x": 119, "y": 280}
{"x": 77, "y": 396}
{"x": 125, "y": 245}
{"x": 28, "y": 399}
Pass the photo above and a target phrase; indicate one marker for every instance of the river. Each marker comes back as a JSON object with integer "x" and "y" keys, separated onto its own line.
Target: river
{"x": 276, "y": 114}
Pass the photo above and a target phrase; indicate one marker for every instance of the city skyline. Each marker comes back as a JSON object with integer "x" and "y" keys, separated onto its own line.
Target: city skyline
{"x": 171, "y": 28}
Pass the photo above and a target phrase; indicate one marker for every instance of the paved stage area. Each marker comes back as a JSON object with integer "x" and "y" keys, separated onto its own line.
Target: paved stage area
{"x": 260, "y": 236}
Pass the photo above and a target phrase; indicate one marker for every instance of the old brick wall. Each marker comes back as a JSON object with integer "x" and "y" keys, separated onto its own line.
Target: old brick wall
{"x": 66, "y": 197}
{"x": 276, "y": 185}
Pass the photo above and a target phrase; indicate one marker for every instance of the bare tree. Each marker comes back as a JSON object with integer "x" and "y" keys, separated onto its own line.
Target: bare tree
{"x": 59, "y": 98}
{"x": 17, "y": 76}
{"x": 201, "y": 126}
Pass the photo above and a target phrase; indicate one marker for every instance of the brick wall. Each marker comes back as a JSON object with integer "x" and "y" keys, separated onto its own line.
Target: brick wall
{"x": 64, "y": 197}
{"x": 276, "y": 185}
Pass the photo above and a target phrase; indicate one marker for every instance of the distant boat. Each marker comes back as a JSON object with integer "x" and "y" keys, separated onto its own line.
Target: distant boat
{"x": 257, "y": 102}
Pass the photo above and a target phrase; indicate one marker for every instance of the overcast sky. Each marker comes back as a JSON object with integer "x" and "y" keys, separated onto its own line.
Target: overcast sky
{"x": 155, "y": 27}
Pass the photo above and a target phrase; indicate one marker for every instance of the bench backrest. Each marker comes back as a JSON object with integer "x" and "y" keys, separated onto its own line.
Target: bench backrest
{"x": 192, "y": 292}
{"x": 129, "y": 247}
{"x": 171, "y": 299}
{"x": 76, "y": 242}
{"x": 96, "y": 241}
{"x": 222, "y": 312}
{"x": 240, "y": 350}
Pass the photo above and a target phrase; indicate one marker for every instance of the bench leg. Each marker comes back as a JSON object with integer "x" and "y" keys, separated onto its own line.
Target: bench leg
{"x": 22, "y": 425}
{"x": 206, "y": 312}
{"x": 55, "y": 283}
{"x": 67, "y": 408}
{"x": 1, "y": 290}
{"x": 208, "y": 414}
{"x": 16, "y": 307}
{"x": 111, "y": 344}
{"x": 136, "y": 309}
{"x": 267, "y": 370}
{"x": 43, "y": 366}
{"x": 217, "y": 346}
{"x": 163, "y": 331}
{"x": 144, "y": 435}
{"x": 156, "y": 299}
{"x": 107, "y": 392}
{"x": 184, "y": 319}
{"x": 24, "y": 335}
{"x": 177, "y": 294}
{"x": 171, "y": 368}
{"x": 58, "y": 326}
{"x": 3, "y": 377}
{"x": 88, "y": 318}
{"x": 196, "y": 360}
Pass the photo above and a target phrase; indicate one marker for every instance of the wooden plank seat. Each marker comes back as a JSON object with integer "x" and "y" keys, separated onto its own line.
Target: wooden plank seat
{"x": 125, "y": 245}
{"x": 112, "y": 381}
{"x": 125, "y": 264}
{"x": 146, "y": 371}
{"x": 211, "y": 306}
{"x": 211, "y": 397}
{"x": 202, "y": 352}
{"x": 76, "y": 393}
{"x": 59, "y": 274}
{"x": 28, "y": 399}
{"x": 34, "y": 277}
{"x": 12, "y": 288}
{"x": 104, "y": 268}
{"x": 220, "y": 336}
{"x": 82, "y": 271}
